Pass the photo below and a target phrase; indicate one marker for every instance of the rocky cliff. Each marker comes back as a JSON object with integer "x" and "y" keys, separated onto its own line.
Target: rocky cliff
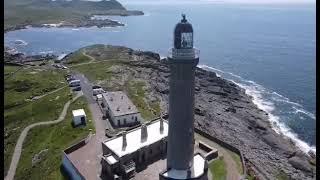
{"x": 225, "y": 111}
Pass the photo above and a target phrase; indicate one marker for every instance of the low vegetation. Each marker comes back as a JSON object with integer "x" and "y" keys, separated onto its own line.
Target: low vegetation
{"x": 217, "y": 169}
{"x": 53, "y": 139}
{"x": 137, "y": 94}
{"x": 77, "y": 58}
{"x": 282, "y": 175}
{"x": 20, "y": 111}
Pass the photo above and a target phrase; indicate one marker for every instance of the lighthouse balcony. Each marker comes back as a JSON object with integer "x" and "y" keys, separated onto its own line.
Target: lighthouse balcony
{"x": 185, "y": 54}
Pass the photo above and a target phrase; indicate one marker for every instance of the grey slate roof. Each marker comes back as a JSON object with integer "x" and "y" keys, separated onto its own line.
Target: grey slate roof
{"x": 119, "y": 103}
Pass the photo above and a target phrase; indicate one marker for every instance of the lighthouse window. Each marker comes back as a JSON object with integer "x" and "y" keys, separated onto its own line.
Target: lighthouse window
{"x": 186, "y": 40}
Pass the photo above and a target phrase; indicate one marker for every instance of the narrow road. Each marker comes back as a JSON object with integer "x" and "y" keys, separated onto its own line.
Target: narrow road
{"x": 17, "y": 151}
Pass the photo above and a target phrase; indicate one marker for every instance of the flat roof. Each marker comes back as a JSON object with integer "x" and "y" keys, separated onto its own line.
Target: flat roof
{"x": 119, "y": 103}
{"x": 134, "y": 139}
{"x": 78, "y": 112}
{"x": 196, "y": 171}
{"x": 111, "y": 159}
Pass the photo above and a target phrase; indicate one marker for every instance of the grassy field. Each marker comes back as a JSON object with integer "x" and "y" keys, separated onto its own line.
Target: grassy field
{"x": 217, "y": 168}
{"x": 100, "y": 72}
{"x": 95, "y": 71}
{"x": 137, "y": 94}
{"x": 19, "y": 112}
{"x": 55, "y": 138}
{"x": 77, "y": 58}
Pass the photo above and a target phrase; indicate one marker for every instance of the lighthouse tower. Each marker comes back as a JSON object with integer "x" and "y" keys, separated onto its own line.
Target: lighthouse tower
{"x": 182, "y": 60}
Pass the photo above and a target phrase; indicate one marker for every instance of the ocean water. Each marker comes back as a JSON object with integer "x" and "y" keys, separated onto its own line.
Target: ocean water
{"x": 270, "y": 50}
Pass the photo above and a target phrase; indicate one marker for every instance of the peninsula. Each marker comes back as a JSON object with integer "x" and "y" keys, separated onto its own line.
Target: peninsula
{"x": 18, "y": 14}
{"x": 222, "y": 109}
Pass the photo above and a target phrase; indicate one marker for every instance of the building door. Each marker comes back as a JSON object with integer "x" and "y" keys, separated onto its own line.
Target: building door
{"x": 83, "y": 120}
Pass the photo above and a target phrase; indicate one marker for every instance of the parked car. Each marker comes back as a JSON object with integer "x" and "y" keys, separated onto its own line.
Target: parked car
{"x": 96, "y": 87}
{"x": 98, "y": 91}
{"x": 74, "y": 83}
{"x": 64, "y": 67}
{"x": 78, "y": 88}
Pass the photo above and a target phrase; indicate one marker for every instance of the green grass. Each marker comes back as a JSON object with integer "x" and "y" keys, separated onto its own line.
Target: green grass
{"x": 137, "y": 94}
{"x": 77, "y": 58}
{"x": 16, "y": 119}
{"x": 282, "y": 175}
{"x": 19, "y": 113}
{"x": 217, "y": 169}
{"x": 95, "y": 71}
{"x": 55, "y": 138}
{"x": 30, "y": 82}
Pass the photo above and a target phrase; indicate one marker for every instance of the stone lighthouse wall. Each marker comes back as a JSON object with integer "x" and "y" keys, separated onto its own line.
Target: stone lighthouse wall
{"x": 181, "y": 110}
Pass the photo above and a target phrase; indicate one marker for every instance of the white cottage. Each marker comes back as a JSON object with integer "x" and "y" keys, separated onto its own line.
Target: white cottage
{"x": 120, "y": 110}
{"x": 79, "y": 117}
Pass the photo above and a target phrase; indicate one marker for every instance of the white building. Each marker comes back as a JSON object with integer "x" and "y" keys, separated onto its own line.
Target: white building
{"x": 119, "y": 108}
{"x": 131, "y": 150}
{"x": 79, "y": 117}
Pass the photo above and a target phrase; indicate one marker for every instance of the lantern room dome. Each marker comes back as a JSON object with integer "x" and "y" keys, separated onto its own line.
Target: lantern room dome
{"x": 183, "y": 34}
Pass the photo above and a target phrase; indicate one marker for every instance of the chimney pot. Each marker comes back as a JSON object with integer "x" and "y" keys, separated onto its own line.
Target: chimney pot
{"x": 124, "y": 140}
{"x": 144, "y": 132}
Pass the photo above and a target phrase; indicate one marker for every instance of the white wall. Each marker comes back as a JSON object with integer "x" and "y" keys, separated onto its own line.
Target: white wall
{"x": 70, "y": 168}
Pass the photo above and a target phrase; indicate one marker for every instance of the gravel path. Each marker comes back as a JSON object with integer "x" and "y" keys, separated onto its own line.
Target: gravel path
{"x": 18, "y": 148}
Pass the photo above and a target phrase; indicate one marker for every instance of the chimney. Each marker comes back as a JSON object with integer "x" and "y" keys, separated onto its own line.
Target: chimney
{"x": 124, "y": 140}
{"x": 144, "y": 132}
{"x": 118, "y": 108}
{"x": 161, "y": 125}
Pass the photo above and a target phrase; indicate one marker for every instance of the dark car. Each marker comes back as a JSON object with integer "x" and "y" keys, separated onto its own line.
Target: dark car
{"x": 96, "y": 87}
{"x": 78, "y": 88}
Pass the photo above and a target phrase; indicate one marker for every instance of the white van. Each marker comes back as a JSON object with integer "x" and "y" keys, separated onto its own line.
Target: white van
{"x": 98, "y": 91}
{"x": 74, "y": 83}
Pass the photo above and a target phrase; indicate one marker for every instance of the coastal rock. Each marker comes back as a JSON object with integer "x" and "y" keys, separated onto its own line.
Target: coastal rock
{"x": 301, "y": 164}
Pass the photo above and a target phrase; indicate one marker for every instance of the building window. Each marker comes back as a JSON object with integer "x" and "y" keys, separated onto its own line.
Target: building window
{"x": 118, "y": 122}
{"x": 136, "y": 118}
{"x": 150, "y": 151}
{"x": 124, "y": 121}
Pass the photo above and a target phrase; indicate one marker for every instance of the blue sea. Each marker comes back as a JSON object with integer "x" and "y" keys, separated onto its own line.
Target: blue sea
{"x": 270, "y": 50}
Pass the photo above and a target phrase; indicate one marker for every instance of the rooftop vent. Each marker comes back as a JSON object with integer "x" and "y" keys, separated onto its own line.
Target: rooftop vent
{"x": 144, "y": 132}
{"x": 129, "y": 107}
{"x": 111, "y": 99}
{"x": 118, "y": 108}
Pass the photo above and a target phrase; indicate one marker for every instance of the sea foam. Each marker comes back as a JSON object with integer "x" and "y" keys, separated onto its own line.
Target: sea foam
{"x": 259, "y": 95}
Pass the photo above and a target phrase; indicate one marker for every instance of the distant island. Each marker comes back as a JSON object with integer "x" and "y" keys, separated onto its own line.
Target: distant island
{"x": 18, "y": 14}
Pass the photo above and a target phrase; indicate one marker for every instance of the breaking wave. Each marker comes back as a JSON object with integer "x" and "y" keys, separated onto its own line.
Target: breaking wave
{"x": 20, "y": 42}
{"x": 266, "y": 100}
